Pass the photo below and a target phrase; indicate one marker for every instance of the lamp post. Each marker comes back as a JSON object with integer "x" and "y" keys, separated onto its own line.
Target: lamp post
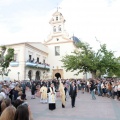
{"x": 18, "y": 75}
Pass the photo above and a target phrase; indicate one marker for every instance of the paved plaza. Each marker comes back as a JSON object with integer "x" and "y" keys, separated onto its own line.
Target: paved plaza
{"x": 86, "y": 109}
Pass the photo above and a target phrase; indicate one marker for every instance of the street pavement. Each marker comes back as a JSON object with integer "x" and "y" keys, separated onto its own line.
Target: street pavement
{"x": 102, "y": 108}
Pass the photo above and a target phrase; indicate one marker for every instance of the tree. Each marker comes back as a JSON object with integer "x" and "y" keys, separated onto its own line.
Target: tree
{"x": 87, "y": 60}
{"x": 5, "y": 59}
{"x": 110, "y": 63}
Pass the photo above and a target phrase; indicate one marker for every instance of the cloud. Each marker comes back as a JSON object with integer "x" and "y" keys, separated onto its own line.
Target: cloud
{"x": 6, "y": 2}
{"x": 24, "y": 20}
{"x": 29, "y": 28}
{"x": 90, "y": 18}
{"x": 84, "y": 18}
{"x": 23, "y": 26}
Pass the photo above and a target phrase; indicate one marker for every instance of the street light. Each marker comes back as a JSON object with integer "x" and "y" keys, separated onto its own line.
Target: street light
{"x": 18, "y": 75}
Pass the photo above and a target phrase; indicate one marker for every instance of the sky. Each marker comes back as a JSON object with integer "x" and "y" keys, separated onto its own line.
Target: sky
{"x": 28, "y": 20}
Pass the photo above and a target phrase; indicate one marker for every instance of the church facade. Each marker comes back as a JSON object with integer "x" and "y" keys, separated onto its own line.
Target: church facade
{"x": 35, "y": 60}
{"x": 59, "y": 44}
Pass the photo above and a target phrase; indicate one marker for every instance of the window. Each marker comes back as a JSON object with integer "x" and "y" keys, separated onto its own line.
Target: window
{"x": 43, "y": 60}
{"x": 57, "y": 18}
{"x": 57, "y": 39}
{"x": 30, "y": 57}
{"x": 59, "y": 28}
{"x": 15, "y": 57}
{"x": 54, "y": 29}
{"x": 38, "y": 59}
{"x": 57, "y": 50}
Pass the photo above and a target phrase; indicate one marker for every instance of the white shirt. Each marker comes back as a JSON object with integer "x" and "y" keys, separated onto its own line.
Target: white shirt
{"x": 115, "y": 88}
{"x": 3, "y": 94}
{"x": 102, "y": 86}
{"x": 87, "y": 82}
{"x": 118, "y": 87}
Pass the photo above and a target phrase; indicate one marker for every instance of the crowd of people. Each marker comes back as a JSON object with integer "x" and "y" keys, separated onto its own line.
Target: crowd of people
{"x": 13, "y": 105}
{"x": 12, "y": 101}
{"x": 106, "y": 88}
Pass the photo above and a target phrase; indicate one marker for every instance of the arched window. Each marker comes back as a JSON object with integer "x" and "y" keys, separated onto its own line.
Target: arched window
{"x": 30, "y": 74}
{"x": 59, "y": 28}
{"x": 37, "y": 77}
{"x": 54, "y": 29}
{"x": 57, "y": 18}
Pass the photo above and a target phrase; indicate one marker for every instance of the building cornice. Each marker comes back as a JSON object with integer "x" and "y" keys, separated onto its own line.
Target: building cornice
{"x": 68, "y": 40}
{"x": 59, "y": 42}
{"x": 23, "y": 43}
{"x": 28, "y": 45}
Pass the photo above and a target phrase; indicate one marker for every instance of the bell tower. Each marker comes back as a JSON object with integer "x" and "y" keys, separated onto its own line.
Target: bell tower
{"x": 57, "y": 23}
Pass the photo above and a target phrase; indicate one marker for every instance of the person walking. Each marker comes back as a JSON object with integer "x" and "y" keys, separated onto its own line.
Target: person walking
{"x": 92, "y": 90}
{"x": 62, "y": 94}
{"x": 51, "y": 97}
{"x": 43, "y": 93}
{"x": 73, "y": 93}
{"x": 33, "y": 90}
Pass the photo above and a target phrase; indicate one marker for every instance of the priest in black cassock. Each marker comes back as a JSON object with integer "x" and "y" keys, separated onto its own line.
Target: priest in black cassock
{"x": 51, "y": 97}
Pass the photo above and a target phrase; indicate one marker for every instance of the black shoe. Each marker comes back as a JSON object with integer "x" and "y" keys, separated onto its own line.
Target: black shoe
{"x": 63, "y": 106}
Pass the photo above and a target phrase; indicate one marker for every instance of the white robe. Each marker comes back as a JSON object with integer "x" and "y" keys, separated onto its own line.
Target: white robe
{"x": 43, "y": 92}
{"x": 52, "y": 95}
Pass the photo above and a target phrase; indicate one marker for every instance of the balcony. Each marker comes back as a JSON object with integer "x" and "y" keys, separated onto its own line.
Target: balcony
{"x": 14, "y": 64}
{"x": 31, "y": 64}
{"x": 37, "y": 65}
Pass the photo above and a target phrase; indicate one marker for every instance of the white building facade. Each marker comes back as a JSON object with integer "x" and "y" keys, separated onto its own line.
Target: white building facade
{"x": 30, "y": 61}
{"x": 35, "y": 61}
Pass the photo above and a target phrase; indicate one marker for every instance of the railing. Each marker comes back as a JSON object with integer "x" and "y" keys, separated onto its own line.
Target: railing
{"x": 14, "y": 64}
{"x": 37, "y": 65}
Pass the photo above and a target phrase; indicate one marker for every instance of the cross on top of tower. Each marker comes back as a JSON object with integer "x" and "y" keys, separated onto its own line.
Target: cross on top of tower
{"x": 58, "y": 7}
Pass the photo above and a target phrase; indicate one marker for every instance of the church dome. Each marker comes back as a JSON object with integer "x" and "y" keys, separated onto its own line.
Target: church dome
{"x": 75, "y": 40}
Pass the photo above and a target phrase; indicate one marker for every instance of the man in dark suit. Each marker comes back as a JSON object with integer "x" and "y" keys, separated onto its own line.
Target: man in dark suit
{"x": 73, "y": 93}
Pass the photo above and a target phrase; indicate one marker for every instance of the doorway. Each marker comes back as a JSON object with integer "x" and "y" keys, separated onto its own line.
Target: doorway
{"x": 30, "y": 74}
{"x": 37, "y": 76}
{"x": 57, "y": 75}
